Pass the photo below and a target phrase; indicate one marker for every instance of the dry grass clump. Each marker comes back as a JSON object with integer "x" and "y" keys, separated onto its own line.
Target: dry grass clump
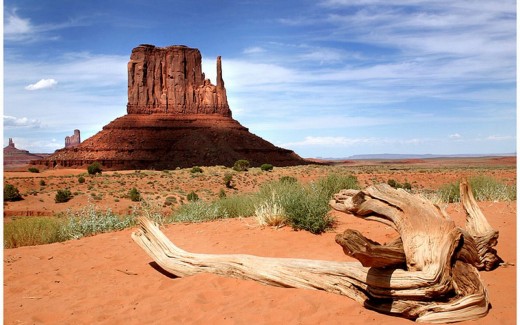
{"x": 271, "y": 213}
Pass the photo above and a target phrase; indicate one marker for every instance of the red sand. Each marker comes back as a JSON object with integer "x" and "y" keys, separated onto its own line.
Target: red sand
{"x": 108, "y": 279}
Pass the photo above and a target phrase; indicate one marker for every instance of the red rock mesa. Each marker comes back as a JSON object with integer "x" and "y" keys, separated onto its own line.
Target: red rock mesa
{"x": 175, "y": 118}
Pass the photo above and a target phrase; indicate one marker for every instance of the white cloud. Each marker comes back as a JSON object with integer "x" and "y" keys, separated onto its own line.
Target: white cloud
{"x": 253, "y": 50}
{"x": 19, "y": 29}
{"x": 42, "y": 84}
{"x": 455, "y": 136}
{"x": 15, "y": 26}
{"x": 12, "y": 121}
{"x": 500, "y": 137}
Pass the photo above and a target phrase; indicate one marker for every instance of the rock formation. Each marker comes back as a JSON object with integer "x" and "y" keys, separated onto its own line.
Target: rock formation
{"x": 14, "y": 157}
{"x": 73, "y": 140}
{"x": 170, "y": 80}
{"x": 176, "y": 118}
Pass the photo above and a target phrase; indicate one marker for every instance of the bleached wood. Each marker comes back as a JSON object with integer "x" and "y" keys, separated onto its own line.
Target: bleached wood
{"x": 479, "y": 229}
{"x": 427, "y": 275}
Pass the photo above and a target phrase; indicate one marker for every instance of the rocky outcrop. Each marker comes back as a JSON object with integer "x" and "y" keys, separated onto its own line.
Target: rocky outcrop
{"x": 73, "y": 140}
{"x": 170, "y": 80}
{"x": 176, "y": 118}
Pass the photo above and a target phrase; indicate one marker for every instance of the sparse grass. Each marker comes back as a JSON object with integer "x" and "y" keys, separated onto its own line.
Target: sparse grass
{"x": 485, "y": 188}
{"x": 304, "y": 207}
{"x": 29, "y": 231}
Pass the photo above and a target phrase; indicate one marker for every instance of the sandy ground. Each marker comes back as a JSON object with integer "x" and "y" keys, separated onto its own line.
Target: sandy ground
{"x": 108, "y": 279}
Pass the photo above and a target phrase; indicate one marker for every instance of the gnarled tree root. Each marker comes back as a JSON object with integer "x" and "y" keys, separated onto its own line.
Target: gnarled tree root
{"x": 428, "y": 274}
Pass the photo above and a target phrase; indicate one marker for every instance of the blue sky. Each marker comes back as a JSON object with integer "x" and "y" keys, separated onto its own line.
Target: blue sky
{"x": 329, "y": 78}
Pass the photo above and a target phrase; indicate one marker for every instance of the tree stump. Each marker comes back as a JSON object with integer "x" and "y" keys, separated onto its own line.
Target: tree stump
{"x": 429, "y": 274}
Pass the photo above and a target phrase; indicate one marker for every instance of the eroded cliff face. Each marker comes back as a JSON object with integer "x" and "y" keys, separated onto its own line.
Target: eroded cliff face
{"x": 170, "y": 80}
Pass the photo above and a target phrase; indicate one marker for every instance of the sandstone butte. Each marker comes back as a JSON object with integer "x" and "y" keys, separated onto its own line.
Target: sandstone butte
{"x": 175, "y": 118}
{"x": 14, "y": 157}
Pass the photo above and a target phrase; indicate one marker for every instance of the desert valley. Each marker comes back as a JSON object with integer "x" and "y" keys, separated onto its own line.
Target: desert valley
{"x": 179, "y": 158}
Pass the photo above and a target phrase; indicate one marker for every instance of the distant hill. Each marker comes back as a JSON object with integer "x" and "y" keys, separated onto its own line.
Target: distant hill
{"x": 390, "y": 156}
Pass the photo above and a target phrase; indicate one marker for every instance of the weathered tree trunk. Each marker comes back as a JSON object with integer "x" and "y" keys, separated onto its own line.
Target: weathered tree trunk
{"x": 428, "y": 274}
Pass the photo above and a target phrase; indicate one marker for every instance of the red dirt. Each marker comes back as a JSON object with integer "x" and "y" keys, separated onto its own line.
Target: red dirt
{"x": 108, "y": 279}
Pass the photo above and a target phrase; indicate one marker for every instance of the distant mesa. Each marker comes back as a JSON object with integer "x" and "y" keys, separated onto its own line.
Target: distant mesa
{"x": 175, "y": 118}
{"x": 14, "y": 157}
{"x": 73, "y": 140}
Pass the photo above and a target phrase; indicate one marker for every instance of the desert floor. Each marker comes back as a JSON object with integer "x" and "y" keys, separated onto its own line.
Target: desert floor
{"x": 108, "y": 279}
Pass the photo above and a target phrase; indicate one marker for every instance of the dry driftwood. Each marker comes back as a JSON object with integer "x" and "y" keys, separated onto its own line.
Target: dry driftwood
{"x": 430, "y": 273}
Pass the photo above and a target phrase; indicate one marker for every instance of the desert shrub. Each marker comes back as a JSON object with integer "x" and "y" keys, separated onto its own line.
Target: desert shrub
{"x": 236, "y": 206}
{"x": 305, "y": 207}
{"x": 81, "y": 179}
{"x": 266, "y": 167}
{"x": 395, "y": 184}
{"x": 195, "y": 170}
{"x": 63, "y": 196}
{"x": 134, "y": 195}
{"x": 42, "y": 182}
{"x": 333, "y": 183}
{"x": 90, "y": 221}
{"x": 94, "y": 168}
{"x": 11, "y": 193}
{"x": 228, "y": 180}
{"x": 484, "y": 188}
{"x": 32, "y": 231}
{"x": 241, "y": 165}
{"x": 192, "y": 196}
{"x": 170, "y": 200}
{"x": 33, "y": 170}
{"x": 198, "y": 211}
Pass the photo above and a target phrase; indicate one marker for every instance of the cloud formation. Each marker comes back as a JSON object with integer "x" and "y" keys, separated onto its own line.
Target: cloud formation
{"x": 12, "y": 121}
{"x": 42, "y": 84}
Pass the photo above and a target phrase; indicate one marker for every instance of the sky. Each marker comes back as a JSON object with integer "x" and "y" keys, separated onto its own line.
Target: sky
{"x": 325, "y": 78}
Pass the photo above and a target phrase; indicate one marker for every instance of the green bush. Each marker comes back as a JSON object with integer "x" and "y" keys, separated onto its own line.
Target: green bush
{"x": 241, "y": 165}
{"x": 62, "y": 196}
{"x": 266, "y": 167}
{"x": 170, "y": 200}
{"x": 81, "y": 179}
{"x": 11, "y": 193}
{"x": 196, "y": 169}
{"x": 192, "y": 196}
{"x": 228, "y": 180}
{"x": 42, "y": 182}
{"x": 34, "y": 170}
{"x": 94, "y": 168}
{"x": 134, "y": 195}
{"x": 32, "y": 231}
{"x": 395, "y": 184}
